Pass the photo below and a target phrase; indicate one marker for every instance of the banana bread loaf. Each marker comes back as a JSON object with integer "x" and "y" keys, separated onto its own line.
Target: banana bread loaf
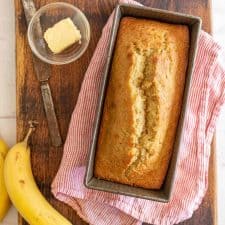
{"x": 143, "y": 102}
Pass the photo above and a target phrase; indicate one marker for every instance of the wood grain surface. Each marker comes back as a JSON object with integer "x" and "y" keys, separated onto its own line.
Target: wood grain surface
{"x": 65, "y": 83}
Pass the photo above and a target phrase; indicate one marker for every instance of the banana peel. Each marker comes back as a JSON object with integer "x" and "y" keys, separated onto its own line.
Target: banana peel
{"x": 22, "y": 189}
{"x": 4, "y": 198}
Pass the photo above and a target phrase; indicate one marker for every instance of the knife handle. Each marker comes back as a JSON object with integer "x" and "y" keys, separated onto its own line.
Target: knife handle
{"x": 50, "y": 114}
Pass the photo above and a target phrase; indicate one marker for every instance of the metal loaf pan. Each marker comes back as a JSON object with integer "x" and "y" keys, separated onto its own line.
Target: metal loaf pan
{"x": 194, "y": 24}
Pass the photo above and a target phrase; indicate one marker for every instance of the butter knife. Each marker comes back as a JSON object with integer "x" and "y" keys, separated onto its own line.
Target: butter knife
{"x": 43, "y": 71}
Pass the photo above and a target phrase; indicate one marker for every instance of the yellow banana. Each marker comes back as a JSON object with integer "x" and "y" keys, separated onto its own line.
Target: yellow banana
{"x": 23, "y": 190}
{"x": 4, "y": 198}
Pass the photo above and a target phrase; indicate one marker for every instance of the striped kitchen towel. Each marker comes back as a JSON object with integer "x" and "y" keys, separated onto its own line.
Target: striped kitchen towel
{"x": 207, "y": 94}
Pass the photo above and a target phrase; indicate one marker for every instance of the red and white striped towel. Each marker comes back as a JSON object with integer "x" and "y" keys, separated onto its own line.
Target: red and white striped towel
{"x": 207, "y": 94}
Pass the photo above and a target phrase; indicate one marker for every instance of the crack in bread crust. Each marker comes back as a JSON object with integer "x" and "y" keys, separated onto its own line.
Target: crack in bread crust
{"x": 145, "y": 108}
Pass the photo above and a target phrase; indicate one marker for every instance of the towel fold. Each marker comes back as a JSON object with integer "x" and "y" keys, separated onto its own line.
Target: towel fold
{"x": 207, "y": 94}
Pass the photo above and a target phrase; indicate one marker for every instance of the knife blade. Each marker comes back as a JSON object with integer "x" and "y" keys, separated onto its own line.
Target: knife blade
{"x": 43, "y": 71}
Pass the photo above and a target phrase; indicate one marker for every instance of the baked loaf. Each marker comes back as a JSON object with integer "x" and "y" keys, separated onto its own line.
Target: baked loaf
{"x": 143, "y": 103}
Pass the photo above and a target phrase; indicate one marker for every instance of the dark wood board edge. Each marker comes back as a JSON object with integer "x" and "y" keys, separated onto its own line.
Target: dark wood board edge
{"x": 213, "y": 179}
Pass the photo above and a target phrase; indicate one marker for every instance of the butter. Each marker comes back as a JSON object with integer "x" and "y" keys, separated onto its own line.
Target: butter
{"x": 62, "y": 35}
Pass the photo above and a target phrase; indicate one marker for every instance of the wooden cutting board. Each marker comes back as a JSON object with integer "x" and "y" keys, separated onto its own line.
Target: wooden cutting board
{"x": 65, "y": 83}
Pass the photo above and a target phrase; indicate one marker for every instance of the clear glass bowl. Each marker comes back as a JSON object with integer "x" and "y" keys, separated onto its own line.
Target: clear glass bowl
{"x": 46, "y": 17}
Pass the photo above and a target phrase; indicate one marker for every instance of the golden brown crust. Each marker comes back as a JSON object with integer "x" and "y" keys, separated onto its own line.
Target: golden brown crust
{"x": 143, "y": 102}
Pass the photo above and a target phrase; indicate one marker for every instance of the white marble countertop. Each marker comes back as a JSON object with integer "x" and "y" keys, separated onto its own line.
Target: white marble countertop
{"x": 8, "y": 93}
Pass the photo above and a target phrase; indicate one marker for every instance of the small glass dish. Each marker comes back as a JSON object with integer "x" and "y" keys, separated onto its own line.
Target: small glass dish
{"x": 46, "y": 17}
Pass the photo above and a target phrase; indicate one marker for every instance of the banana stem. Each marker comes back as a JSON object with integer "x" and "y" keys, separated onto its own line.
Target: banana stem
{"x": 30, "y": 131}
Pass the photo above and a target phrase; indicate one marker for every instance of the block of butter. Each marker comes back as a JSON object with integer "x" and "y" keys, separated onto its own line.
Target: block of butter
{"x": 62, "y": 35}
